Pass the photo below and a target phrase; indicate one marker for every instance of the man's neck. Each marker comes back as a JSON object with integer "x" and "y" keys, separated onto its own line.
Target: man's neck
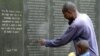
{"x": 70, "y": 22}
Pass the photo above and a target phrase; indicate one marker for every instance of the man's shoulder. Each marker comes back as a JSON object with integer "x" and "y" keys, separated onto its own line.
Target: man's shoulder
{"x": 81, "y": 20}
{"x": 83, "y": 14}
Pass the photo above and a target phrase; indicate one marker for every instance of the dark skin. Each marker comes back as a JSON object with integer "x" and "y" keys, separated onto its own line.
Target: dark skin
{"x": 69, "y": 14}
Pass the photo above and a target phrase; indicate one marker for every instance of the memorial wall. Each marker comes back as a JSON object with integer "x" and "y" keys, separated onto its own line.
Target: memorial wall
{"x": 11, "y": 27}
{"x": 35, "y": 23}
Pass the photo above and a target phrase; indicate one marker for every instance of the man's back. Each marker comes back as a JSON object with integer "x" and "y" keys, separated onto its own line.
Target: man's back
{"x": 87, "y": 33}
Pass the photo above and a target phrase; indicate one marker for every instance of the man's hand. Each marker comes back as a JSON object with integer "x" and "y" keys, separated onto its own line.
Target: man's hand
{"x": 42, "y": 42}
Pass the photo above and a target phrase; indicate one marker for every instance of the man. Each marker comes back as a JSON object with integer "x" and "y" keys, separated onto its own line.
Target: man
{"x": 80, "y": 28}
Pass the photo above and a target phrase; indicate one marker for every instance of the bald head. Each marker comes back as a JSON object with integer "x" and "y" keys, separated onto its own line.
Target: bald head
{"x": 69, "y": 6}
